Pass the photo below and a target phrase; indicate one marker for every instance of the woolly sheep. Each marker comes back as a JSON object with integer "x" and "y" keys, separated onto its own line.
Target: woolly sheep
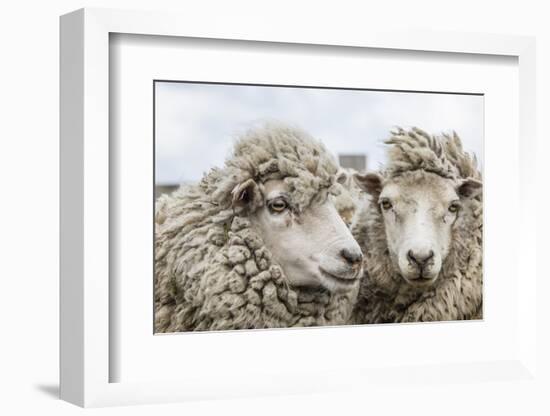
{"x": 257, "y": 243}
{"x": 351, "y": 198}
{"x": 422, "y": 233}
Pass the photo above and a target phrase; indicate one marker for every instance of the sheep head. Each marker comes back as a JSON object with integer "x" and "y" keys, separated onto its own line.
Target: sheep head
{"x": 351, "y": 197}
{"x": 420, "y": 202}
{"x": 285, "y": 183}
{"x": 313, "y": 246}
{"x": 419, "y": 211}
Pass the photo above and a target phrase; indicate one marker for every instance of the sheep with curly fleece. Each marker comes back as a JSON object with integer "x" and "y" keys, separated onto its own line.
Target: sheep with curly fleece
{"x": 421, "y": 233}
{"x": 352, "y": 198}
{"x": 257, "y": 243}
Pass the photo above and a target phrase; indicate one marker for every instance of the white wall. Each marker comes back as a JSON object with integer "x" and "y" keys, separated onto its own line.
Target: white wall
{"x": 29, "y": 172}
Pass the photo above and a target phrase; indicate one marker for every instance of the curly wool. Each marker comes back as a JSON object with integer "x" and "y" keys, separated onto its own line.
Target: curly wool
{"x": 212, "y": 270}
{"x": 457, "y": 294}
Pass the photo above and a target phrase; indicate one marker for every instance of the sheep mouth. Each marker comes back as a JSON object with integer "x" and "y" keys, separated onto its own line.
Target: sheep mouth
{"x": 420, "y": 280}
{"x": 345, "y": 281}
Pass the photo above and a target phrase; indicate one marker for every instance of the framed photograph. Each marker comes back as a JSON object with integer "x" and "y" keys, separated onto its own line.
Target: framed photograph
{"x": 266, "y": 234}
{"x": 266, "y": 212}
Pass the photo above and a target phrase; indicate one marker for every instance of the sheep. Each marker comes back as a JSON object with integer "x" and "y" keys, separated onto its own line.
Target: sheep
{"x": 421, "y": 233}
{"x": 351, "y": 198}
{"x": 257, "y": 243}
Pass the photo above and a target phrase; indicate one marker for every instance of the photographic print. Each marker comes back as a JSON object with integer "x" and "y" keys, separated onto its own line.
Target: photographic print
{"x": 293, "y": 206}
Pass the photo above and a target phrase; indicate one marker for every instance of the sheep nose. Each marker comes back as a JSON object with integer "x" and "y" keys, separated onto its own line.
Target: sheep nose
{"x": 353, "y": 257}
{"x": 419, "y": 258}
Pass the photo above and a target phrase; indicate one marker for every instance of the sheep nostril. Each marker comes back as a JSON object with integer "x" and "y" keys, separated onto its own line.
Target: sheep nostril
{"x": 351, "y": 256}
{"x": 420, "y": 259}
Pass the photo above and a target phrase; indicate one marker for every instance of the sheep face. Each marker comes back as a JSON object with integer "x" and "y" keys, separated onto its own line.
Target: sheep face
{"x": 314, "y": 247}
{"x": 419, "y": 211}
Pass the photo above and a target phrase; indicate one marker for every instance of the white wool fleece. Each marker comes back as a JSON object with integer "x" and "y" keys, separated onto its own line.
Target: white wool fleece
{"x": 212, "y": 270}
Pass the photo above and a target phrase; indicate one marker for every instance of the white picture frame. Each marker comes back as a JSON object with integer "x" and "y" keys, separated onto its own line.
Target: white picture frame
{"x": 85, "y": 355}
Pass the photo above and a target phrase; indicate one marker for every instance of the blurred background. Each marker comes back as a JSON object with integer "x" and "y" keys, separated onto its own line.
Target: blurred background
{"x": 196, "y": 124}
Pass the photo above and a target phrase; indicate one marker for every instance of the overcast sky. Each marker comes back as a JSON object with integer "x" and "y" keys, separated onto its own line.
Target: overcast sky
{"x": 196, "y": 124}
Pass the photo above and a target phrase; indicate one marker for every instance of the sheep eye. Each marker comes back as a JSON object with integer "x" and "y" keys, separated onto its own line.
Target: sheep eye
{"x": 454, "y": 207}
{"x": 386, "y": 204}
{"x": 278, "y": 206}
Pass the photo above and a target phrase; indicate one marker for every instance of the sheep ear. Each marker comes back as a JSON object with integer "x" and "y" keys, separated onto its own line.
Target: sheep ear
{"x": 469, "y": 188}
{"x": 245, "y": 193}
{"x": 341, "y": 177}
{"x": 369, "y": 182}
